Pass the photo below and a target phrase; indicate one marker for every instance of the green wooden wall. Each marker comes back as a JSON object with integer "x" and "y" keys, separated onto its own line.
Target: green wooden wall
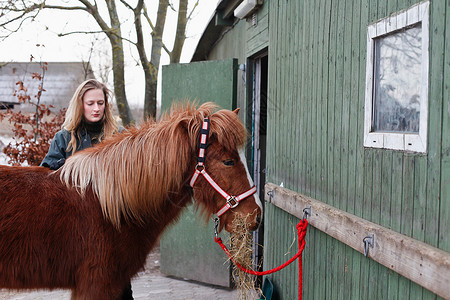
{"x": 242, "y": 41}
{"x": 317, "y": 62}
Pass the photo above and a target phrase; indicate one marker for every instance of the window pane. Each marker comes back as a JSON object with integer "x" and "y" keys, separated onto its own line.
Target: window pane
{"x": 397, "y": 83}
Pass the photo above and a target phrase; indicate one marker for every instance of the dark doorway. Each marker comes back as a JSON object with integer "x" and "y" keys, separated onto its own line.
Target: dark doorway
{"x": 257, "y": 76}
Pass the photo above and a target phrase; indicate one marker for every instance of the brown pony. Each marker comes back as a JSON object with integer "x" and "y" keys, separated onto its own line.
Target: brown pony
{"x": 89, "y": 226}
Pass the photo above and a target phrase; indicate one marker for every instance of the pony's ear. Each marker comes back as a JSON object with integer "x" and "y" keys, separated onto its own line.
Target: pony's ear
{"x": 236, "y": 111}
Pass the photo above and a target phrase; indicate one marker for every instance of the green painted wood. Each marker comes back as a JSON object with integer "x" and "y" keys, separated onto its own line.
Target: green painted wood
{"x": 437, "y": 34}
{"x": 360, "y": 275}
{"x": 337, "y": 140}
{"x": 396, "y": 210}
{"x": 321, "y": 178}
{"x": 306, "y": 97}
{"x": 316, "y": 120}
{"x": 444, "y": 241}
{"x": 354, "y": 185}
{"x": 317, "y": 70}
{"x": 287, "y": 76}
{"x": 419, "y": 202}
{"x": 294, "y": 93}
{"x": 299, "y": 117}
{"x": 338, "y": 167}
{"x": 331, "y": 103}
{"x": 201, "y": 81}
{"x": 298, "y": 12}
{"x": 188, "y": 249}
{"x": 406, "y": 213}
{"x": 257, "y": 35}
{"x": 366, "y": 214}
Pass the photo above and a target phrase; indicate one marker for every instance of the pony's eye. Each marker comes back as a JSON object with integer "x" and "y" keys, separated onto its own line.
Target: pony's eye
{"x": 228, "y": 162}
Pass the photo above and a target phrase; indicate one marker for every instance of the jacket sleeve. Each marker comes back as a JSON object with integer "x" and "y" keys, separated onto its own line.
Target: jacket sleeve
{"x": 56, "y": 156}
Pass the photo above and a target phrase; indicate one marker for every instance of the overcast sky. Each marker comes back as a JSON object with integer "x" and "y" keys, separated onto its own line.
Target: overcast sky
{"x": 76, "y": 47}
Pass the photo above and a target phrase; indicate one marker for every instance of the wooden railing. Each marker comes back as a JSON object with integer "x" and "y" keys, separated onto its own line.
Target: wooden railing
{"x": 424, "y": 264}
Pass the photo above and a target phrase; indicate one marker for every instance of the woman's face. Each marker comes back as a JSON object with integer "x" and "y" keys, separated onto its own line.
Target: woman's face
{"x": 93, "y": 105}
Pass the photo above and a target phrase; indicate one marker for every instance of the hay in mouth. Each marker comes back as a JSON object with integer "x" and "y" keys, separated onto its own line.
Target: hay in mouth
{"x": 241, "y": 249}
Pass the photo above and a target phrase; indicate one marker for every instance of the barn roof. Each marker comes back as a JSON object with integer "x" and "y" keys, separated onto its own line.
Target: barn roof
{"x": 221, "y": 19}
{"x": 60, "y": 81}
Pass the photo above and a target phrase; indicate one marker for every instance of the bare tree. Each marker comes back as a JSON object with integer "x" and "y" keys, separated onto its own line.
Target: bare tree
{"x": 13, "y": 14}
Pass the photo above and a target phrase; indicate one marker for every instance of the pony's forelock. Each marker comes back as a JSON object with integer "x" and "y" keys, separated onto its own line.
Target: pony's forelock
{"x": 133, "y": 172}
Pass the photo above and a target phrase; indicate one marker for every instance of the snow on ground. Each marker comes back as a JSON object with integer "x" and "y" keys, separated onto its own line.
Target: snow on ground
{"x": 3, "y": 142}
{"x": 3, "y": 159}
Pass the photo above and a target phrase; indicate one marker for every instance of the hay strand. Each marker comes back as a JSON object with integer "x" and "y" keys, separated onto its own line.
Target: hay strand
{"x": 242, "y": 252}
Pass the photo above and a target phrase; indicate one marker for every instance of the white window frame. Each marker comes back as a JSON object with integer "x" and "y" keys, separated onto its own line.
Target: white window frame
{"x": 415, "y": 142}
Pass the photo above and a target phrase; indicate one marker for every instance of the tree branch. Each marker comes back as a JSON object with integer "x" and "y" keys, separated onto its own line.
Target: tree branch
{"x": 139, "y": 34}
{"x": 24, "y": 11}
{"x": 65, "y": 7}
{"x": 128, "y": 5}
{"x": 193, "y": 9}
{"x": 93, "y": 10}
{"x": 149, "y": 21}
{"x": 180, "y": 35}
{"x": 11, "y": 31}
{"x": 147, "y": 17}
{"x": 78, "y": 32}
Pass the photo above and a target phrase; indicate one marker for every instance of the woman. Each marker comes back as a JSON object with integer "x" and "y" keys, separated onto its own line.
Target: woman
{"x": 88, "y": 121}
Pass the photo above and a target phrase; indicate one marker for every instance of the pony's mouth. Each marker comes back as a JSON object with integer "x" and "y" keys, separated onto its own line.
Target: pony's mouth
{"x": 252, "y": 221}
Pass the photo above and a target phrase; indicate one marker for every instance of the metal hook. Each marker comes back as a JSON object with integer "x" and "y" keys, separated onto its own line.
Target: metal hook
{"x": 368, "y": 242}
{"x": 270, "y": 194}
{"x": 306, "y": 212}
{"x": 216, "y": 227}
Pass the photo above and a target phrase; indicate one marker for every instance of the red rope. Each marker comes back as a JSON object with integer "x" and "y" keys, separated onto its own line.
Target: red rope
{"x": 301, "y": 231}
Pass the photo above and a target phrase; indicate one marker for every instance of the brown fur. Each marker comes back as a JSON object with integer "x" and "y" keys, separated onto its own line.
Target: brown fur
{"x": 89, "y": 226}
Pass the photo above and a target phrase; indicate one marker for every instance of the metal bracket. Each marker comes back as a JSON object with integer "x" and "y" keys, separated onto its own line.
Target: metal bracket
{"x": 368, "y": 241}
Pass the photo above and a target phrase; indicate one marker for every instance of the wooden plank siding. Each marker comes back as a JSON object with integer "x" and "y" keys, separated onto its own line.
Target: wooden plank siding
{"x": 257, "y": 35}
{"x": 241, "y": 41}
{"x": 444, "y": 240}
{"x": 317, "y": 65}
{"x": 420, "y": 262}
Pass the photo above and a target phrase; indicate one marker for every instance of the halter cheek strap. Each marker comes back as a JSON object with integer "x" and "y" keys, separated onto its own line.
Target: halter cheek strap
{"x": 232, "y": 201}
{"x": 203, "y": 143}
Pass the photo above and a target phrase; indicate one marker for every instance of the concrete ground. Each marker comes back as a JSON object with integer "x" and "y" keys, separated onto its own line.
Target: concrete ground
{"x": 149, "y": 284}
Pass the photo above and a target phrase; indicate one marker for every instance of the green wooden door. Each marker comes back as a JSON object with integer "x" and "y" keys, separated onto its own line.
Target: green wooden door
{"x": 188, "y": 249}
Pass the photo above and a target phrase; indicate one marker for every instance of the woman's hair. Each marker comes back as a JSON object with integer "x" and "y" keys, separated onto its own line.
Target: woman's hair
{"x": 75, "y": 117}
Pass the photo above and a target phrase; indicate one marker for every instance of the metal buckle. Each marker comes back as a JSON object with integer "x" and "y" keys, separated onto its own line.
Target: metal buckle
{"x": 216, "y": 226}
{"x": 200, "y": 167}
{"x": 230, "y": 202}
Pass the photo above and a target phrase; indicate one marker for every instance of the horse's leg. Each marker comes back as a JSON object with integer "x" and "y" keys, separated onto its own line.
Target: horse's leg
{"x": 95, "y": 284}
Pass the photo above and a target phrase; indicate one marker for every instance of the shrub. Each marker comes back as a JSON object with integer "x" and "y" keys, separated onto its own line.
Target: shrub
{"x": 32, "y": 133}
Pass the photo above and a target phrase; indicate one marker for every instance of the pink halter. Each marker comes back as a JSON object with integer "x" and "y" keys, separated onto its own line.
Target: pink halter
{"x": 232, "y": 201}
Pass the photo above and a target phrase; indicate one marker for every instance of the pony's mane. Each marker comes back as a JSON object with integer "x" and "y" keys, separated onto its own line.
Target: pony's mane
{"x": 135, "y": 171}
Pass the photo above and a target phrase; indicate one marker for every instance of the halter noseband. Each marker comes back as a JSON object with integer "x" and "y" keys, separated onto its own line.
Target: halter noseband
{"x": 232, "y": 201}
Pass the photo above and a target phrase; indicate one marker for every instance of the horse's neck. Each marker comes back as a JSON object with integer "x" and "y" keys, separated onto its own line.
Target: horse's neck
{"x": 174, "y": 205}
{"x": 170, "y": 209}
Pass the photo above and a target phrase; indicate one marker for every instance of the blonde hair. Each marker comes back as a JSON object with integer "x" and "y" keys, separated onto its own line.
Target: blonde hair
{"x": 74, "y": 114}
